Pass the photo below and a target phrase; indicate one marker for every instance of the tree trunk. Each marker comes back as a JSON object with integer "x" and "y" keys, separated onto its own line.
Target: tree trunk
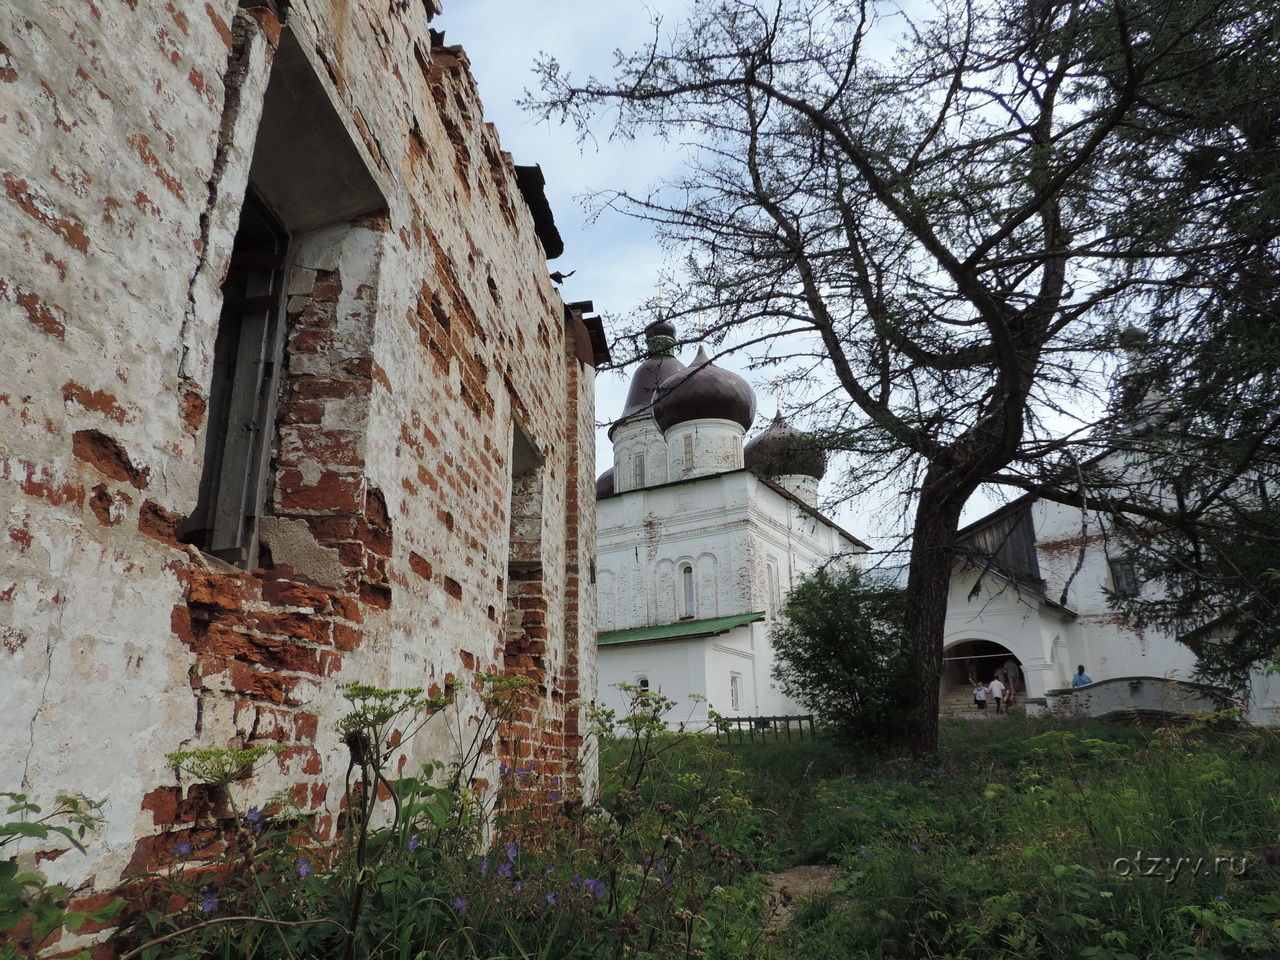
{"x": 933, "y": 553}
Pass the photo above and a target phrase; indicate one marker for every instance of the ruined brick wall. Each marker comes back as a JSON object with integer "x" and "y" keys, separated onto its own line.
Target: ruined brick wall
{"x": 421, "y": 333}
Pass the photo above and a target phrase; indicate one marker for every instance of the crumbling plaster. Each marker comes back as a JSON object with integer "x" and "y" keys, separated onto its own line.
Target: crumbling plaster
{"x": 419, "y": 335}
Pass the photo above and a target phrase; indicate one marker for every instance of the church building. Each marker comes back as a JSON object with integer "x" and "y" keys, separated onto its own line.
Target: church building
{"x": 700, "y": 538}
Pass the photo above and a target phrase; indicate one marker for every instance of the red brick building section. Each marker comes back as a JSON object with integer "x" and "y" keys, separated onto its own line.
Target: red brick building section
{"x": 290, "y": 402}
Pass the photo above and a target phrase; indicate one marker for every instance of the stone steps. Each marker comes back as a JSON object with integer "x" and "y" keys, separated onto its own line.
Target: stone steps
{"x": 958, "y": 702}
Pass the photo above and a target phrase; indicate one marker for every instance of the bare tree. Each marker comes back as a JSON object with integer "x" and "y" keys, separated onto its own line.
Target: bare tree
{"x": 953, "y": 236}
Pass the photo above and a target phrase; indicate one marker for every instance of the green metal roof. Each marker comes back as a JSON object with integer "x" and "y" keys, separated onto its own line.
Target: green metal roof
{"x": 680, "y": 630}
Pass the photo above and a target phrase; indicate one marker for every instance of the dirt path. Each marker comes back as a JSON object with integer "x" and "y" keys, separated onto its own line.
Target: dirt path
{"x": 808, "y": 883}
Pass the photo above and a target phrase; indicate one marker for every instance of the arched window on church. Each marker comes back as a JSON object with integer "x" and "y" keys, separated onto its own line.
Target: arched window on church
{"x": 643, "y": 684}
{"x": 639, "y": 471}
{"x": 686, "y": 585}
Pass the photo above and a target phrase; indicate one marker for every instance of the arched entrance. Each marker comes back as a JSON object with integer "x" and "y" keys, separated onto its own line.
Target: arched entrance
{"x": 984, "y": 658}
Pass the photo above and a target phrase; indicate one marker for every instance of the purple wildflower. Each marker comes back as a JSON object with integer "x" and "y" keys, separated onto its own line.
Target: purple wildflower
{"x": 254, "y": 818}
{"x": 668, "y": 882}
{"x": 548, "y": 898}
{"x": 519, "y": 885}
{"x": 594, "y": 887}
{"x": 208, "y": 900}
{"x": 484, "y": 867}
{"x": 1220, "y": 897}
{"x": 551, "y": 868}
{"x": 460, "y": 905}
{"x": 413, "y": 844}
{"x": 183, "y": 848}
{"x": 512, "y": 851}
{"x": 575, "y": 880}
{"x": 555, "y": 796}
{"x": 915, "y": 848}
{"x": 304, "y": 867}
{"x": 504, "y": 868}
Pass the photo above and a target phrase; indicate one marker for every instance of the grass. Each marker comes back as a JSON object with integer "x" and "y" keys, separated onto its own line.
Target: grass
{"x": 1033, "y": 839}
{"x": 1027, "y": 839}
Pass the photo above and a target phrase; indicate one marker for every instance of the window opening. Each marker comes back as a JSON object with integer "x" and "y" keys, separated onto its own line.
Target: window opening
{"x": 686, "y": 580}
{"x": 643, "y": 684}
{"x": 247, "y": 357}
{"x": 735, "y": 691}
{"x": 1124, "y": 578}
{"x": 688, "y": 452}
{"x": 639, "y": 470}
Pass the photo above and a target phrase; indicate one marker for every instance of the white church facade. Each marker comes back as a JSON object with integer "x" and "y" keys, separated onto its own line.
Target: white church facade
{"x": 695, "y": 550}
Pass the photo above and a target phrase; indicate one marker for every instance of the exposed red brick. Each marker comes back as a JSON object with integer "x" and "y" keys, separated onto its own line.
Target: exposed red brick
{"x": 69, "y": 228}
{"x": 98, "y": 401}
{"x": 90, "y": 904}
{"x": 268, "y": 22}
{"x": 420, "y": 565}
{"x": 344, "y": 638}
{"x": 142, "y": 144}
{"x": 47, "y": 317}
{"x": 102, "y": 501}
{"x": 156, "y": 522}
{"x": 192, "y": 408}
{"x": 453, "y": 588}
{"x": 40, "y": 482}
{"x": 109, "y": 457}
{"x": 163, "y": 804}
{"x": 7, "y": 73}
{"x": 296, "y": 626}
{"x": 217, "y": 590}
{"x": 310, "y": 388}
{"x": 332, "y": 491}
{"x": 375, "y": 596}
{"x": 347, "y": 608}
{"x": 289, "y": 593}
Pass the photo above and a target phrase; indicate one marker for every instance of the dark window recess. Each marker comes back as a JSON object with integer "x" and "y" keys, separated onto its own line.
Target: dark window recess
{"x": 248, "y": 355}
{"x": 1124, "y": 578}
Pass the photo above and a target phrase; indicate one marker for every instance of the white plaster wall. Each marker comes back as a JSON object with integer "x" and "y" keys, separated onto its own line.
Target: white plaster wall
{"x": 717, "y": 447}
{"x": 639, "y": 435}
{"x": 730, "y": 528}
{"x": 675, "y": 669}
{"x": 1074, "y": 547}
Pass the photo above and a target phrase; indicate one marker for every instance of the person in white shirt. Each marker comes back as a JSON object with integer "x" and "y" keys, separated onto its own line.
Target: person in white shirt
{"x": 980, "y": 697}
{"x": 997, "y": 692}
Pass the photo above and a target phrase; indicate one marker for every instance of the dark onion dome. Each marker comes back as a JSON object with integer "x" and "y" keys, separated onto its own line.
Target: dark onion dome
{"x": 644, "y": 384}
{"x": 782, "y": 450}
{"x": 604, "y": 484}
{"x": 703, "y": 391}
{"x": 660, "y": 339}
{"x": 660, "y": 336}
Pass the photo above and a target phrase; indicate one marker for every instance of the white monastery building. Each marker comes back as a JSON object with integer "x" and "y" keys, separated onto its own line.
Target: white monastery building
{"x": 699, "y": 539}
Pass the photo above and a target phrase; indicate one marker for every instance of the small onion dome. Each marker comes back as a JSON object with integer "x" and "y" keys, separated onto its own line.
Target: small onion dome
{"x": 782, "y": 450}
{"x": 604, "y": 484}
{"x": 704, "y": 391}
{"x": 660, "y": 336}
